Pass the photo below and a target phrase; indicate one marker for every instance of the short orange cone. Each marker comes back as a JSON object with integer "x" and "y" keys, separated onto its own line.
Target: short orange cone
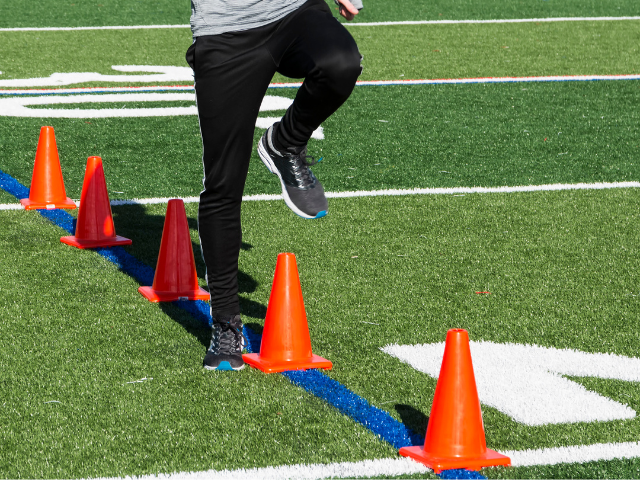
{"x": 176, "y": 277}
{"x": 47, "y": 186}
{"x": 286, "y": 344}
{"x": 455, "y": 432}
{"x": 94, "y": 227}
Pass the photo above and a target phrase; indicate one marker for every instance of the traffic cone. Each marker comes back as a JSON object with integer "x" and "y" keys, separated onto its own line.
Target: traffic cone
{"x": 94, "y": 227}
{"x": 47, "y": 186}
{"x": 455, "y": 432}
{"x": 286, "y": 344}
{"x": 176, "y": 277}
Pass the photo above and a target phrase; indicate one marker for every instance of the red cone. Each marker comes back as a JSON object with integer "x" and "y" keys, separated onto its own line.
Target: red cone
{"x": 47, "y": 186}
{"x": 94, "y": 227}
{"x": 286, "y": 344}
{"x": 176, "y": 277}
{"x": 455, "y": 432}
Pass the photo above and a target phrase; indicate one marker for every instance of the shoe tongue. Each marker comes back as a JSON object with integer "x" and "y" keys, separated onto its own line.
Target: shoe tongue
{"x": 297, "y": 150}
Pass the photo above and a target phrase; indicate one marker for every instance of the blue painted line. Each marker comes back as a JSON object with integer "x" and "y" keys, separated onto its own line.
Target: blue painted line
{"x": 12, "y": 186}
{"x": 334, "y": 393}
{"x": 313, "y": 381}
{"x": 461, "y": 473}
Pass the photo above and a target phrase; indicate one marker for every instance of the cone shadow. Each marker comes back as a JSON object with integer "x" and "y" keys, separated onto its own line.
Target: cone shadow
{"x": 145, "y": 230}
{"x": 412, "y": 418}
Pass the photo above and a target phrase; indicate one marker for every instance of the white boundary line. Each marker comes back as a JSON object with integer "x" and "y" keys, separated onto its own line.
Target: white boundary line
{"x": 356, "y": 24}
{"x": 387, "y": 193}
{"x": 11, "y": 206}
{"x": 574, "y": 454}
{"x": 506, "y": 20}
{"x": 405, "y": 466}
{"x": 413, "y": 191}
{"x": 361, "y": 83}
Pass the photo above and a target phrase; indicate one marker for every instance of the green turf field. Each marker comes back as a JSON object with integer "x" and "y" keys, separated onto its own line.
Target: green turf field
{"x": 98, "y": 382}
{"x": 59, "y": 13}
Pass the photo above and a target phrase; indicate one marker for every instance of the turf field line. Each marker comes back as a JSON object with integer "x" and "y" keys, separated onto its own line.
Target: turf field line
{"x": 354, "y": 24}
{"x": 376, "y": 193}
{"x": 503, "y": 20}
{"x": 360, "y": 83}
{"x": 385, "y": 467}
{"x": 11, "y": 206}
{"x": 412, "y": 191}
{"x": 574, "y": 454}
{"x": 405, "y": 466}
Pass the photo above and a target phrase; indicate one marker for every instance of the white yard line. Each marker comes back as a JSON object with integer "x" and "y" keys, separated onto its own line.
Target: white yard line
{"x": 574, "y": 454}
{"x": 354, "y": 24}
{"x": 412, "y": 191}
{"x": 387, "y": 193}
{"x": 405, "y": 466}
{"x": 361, "y": 83}
{"x": 507, "y": 20}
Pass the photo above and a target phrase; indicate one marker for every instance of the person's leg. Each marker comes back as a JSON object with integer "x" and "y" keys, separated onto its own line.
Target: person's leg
{"x": 232, "y": 72}
{"x": 313, "y": 45}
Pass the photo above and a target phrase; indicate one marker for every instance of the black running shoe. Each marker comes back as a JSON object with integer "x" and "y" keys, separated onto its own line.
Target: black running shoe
{"x": 302, "y": 191}
{"x": 227, "y": 340}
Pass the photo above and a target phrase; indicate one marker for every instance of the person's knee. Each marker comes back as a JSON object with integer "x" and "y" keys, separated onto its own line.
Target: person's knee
{"x": 341, "y": 70}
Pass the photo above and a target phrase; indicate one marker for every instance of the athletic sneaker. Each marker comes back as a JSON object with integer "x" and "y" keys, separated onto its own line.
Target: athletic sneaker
{"x": 302, "y": 191}
{"x": 227, "y": 340}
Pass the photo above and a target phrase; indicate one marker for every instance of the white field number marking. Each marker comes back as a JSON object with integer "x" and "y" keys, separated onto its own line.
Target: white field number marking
{"x": 18, "y": 106}
{"x": 526, "y": 381}
{"x": 145, "y": 73}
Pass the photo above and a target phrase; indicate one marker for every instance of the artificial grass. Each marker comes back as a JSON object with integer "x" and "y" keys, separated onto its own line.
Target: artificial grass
{"x": 557, "y": 264}
{"x": 7, "y": 198}
{"x": 427, "y": 51}
{"x": 96, "y": 381}
{"x": 405, "y": 270}
{"x": 385, "y": 11}
{"x": 59, "y": 13}
{"x": 384, "y": 137}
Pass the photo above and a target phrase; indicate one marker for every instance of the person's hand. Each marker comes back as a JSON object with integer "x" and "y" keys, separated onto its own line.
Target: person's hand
{"x": 347, "y": 10}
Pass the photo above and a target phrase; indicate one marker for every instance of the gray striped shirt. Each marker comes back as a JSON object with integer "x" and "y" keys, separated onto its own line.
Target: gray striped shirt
{"x": 211, "y": 17}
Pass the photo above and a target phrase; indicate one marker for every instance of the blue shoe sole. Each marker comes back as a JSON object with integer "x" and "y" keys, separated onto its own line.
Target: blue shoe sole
{"x": 224, "y": 366}
{"x": 321, "y": 214}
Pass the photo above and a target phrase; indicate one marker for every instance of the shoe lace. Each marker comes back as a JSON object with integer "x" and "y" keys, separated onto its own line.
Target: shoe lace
{"x": 300, "y": 167}
{"x": 228, "y": 338}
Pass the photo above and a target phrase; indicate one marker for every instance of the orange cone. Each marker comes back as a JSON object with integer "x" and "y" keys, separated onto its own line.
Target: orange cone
{"x": 94, "y": 227}
{"x": 455, "y": 433}
{"x": 47, "y": 187}
{"x": 286, "y": 344}
{"x": 176, "y": 277}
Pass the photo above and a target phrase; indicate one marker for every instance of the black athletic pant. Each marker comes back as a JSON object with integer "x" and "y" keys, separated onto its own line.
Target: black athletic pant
{"x": 232, "y": 72}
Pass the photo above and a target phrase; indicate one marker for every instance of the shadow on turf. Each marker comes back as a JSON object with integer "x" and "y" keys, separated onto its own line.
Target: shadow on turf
{"x": 134, "y": 222}
{"x": 412, "y": 418}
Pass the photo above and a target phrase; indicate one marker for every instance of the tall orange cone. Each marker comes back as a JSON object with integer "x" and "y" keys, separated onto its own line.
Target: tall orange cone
{"x": 47, "y": 186}
{"x": 176, "y": 277}
{"x": 455, "y": 432}
{"x": 94, "y": 227}
{"x": 286, "y": 344}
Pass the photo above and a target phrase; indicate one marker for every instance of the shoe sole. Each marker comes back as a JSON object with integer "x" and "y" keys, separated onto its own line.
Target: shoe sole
{"x": 266, "y": 159}
{"x": 223, "y": 366}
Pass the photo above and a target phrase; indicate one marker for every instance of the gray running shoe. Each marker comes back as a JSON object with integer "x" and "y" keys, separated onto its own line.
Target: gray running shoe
{"x": 302, "y": 191}
{"x": 227, "y": 340}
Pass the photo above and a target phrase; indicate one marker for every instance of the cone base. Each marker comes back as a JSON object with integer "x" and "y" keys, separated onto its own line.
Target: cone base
{"x": 29, "y": 204}
{"x": 108, "y": 242}
{"x": 266, "y": 366}
{"x": 437, "y": 464}
{"x": 157, "y": 296}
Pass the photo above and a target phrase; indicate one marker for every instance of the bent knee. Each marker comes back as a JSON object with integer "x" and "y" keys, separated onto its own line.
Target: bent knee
{"x": 342, "y": 70}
